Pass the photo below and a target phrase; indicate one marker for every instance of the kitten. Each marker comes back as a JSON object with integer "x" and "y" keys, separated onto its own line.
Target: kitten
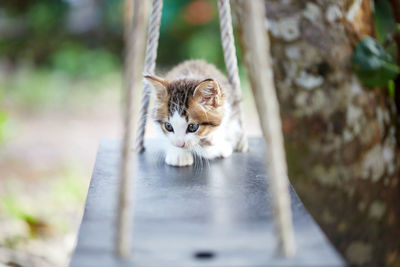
{"x": 195, "y": 109}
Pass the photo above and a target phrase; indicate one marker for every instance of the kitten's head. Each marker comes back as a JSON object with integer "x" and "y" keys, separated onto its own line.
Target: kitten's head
{"x": 188, "y": 111}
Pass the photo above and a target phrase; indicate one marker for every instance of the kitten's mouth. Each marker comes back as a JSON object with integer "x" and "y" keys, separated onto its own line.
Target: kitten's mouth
{"x": 187, "y": 146}
{"x": 181, "y": 145}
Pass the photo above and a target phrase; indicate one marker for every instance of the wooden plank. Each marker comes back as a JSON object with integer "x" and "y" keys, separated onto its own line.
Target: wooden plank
{"x": 213, "y": 214}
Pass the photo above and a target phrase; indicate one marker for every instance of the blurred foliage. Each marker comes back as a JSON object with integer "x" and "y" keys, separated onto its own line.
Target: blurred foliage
{"x": 384, "y": 22}
{"x": 391, "y": 88}
{"x": 45, "y": 17}
{"x": 14, "y": 208}
{"x": 40, "y": 29}
{"x": 3, "y": 126}
{"x": 77, "y": 60}
{"x": 374, "y": 60}
{"x": 40, "y": 32}
{"x": 35, "y": 28}
{"x": 184, "y": 38}
{"x": 373, "y": 65}
{"x": 39, "y": 210}
{"x": 3, "y": 123}
{"x": 71, "y": 188}
{"x": 51, "y": 47}
{"x": 29, "y": 89}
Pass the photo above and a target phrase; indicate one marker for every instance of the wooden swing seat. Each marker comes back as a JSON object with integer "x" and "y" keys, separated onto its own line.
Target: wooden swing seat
{"x": 209, "y": 214}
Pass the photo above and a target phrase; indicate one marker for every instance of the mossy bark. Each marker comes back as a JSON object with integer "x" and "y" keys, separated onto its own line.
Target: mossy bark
{"x": 340, "y": 137}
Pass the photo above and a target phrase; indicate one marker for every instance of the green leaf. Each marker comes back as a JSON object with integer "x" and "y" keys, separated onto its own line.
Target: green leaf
{"x": 14, "y": 208}
{"x": 398, "y": 28}
{"x": 391, "y": 88}
{"x": 391, "y": 48}
{"x": 3, "y": 126}
{"x": 372, "y": 64}
{"x": 384, "y": 21}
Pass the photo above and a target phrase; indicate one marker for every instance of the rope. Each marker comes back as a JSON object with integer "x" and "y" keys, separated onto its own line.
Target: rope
{"x": 228, "y": 45}
{"x": 259, "y": 64}
{"x": 134, "y": 39}
{"x": 149, "y": 68}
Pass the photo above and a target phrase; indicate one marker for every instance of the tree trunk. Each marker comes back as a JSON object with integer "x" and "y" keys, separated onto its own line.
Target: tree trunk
{"x": 340, "y": 137}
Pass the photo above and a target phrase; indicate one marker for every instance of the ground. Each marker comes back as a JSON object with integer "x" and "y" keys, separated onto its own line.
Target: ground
{"x": 46, "y": 161}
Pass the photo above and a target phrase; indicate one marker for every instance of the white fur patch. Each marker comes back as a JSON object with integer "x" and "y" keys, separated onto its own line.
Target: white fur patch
{"x": 179, "y": 124}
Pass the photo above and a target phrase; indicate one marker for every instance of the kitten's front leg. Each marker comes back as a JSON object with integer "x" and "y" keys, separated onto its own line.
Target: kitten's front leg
{"x": 226, "y": 149}
{"x": 178, "y": 157}
{"x": 222, "y": 149}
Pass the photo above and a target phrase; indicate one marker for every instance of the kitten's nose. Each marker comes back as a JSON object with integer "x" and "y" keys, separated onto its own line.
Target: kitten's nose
{"x": 180, "y": 144}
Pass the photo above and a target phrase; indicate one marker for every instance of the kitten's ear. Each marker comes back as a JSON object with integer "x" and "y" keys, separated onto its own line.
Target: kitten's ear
{"x": 208, "y": 93}
{"x": 159, "y": 85}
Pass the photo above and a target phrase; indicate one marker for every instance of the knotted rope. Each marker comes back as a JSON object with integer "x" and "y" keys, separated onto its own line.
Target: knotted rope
{"x": 134, "y": 47}
{"x": 259, "y": 63}
{"x": 228, "y": 45}
{"x": 149, "y": 68}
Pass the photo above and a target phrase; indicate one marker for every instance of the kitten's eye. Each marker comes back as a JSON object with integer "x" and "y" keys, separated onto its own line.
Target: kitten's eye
{"x": 192, "y": 127}
{"x": 168, "y": 127}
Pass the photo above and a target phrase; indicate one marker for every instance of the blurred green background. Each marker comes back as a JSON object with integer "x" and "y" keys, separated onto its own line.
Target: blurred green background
{"x": 60, "y": 82}
{"x": 46, "y": 42}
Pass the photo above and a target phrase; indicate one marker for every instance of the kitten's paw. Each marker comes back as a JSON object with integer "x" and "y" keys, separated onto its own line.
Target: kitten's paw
{"x": 226, "y": 150}
{"x": 223, "y": 150}
{"x": 180, "y": 159}
{"x": 242, "y": 146}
